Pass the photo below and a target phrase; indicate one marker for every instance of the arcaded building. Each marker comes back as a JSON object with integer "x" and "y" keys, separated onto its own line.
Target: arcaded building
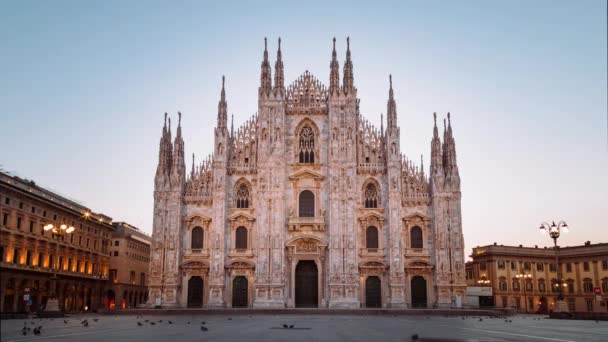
{"x": 526, "y": 278}
{"x": 307, "y": 204}
{"x": 37, "y": 261}
{"x": 129, "y": 266}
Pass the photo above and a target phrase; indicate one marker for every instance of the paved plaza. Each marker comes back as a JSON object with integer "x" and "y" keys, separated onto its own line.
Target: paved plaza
{"x": 306, "y": 328}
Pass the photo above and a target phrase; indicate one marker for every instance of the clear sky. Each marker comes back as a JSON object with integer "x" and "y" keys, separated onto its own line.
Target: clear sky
{"x": 84, "y": 85}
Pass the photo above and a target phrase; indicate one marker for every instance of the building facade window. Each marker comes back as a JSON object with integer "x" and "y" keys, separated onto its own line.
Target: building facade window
{"x": 605, "y": 285}
{"x": 307, "y": 204}
{"x": 482, "y": 265}
{"x": 502, "y": 284}
{"x": 554, "y": 286}
{"x": 604, "y": 265}
{"x": 371, "y": 237}
{"x": 501, "y": 264}
{"x": 570, "y": 285}
{"x": 540, "y": 267}
{"x": 527, "y": 266}
{"x": 513, "y": 265}
{"x": 569, "y": 267}
{"x": 306, "y": 146}
{"x": 541, "y": 285}
{"x": 371, "y": 196}
{"x": 587, "y": 285}
{"x": 552, "y": 267}
{"x": 242, "y": 196}
{"x": 586, "y": 266}
{"x": 516, "y": 285}
{"x": 197, "y": 238}
{"x": 416, "y": 237}
{"x": 241, "y": 238}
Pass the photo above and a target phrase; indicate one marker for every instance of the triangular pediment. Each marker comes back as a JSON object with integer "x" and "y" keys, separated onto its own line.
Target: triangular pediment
{"x": 241, "y": 215}
{"x": 371, "y": 215}
{"x": 306, "y": 174}
{"x": 416, "y": 215}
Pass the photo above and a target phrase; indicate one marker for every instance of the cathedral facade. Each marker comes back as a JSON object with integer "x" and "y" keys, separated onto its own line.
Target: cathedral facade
{"x": 307, "y": 205}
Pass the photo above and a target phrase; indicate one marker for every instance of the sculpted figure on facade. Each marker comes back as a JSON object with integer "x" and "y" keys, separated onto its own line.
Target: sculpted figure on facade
{"x": 307, "y": 204}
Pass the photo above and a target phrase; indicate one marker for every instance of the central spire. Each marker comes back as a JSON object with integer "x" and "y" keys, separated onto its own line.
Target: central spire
{"x": 265, "y": 77}
{"x": 222, "y": 107}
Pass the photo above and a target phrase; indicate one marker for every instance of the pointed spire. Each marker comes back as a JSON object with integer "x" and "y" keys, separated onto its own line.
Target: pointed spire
{"x": 381, "y": 124}
{"x": 222, "y": 107}
{"x": 232, "y": 126}
{"x": 348, "y": 82}
{"x": 192, "y": 172}
{"x": 436, "y": 154}
{"x": 165, "y": 126}
{"x": 449, "y": 150}
{"x": 422, "y": 165}
{"x": 179, "y": 126}
{"x": 391, "y": 111}
{"x": 279, "y": 78}
{"x": 334, "y": 75}
{"x": 265, "y": 76}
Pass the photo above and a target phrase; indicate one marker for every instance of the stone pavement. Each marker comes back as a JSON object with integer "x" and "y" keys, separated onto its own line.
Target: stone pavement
{"x": 307, "y": 328}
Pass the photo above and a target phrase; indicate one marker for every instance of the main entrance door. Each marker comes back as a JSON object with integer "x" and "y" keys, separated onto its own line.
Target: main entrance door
{"x": 195, "y": 292}
{"x": 373, "y": 292}
{"x": 239, "y": 292}
{"x": 307, "y": 292}
{"x": 418, "y": 292}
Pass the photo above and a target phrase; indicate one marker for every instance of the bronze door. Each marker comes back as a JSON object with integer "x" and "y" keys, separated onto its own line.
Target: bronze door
{"x": 239, "y": 292}
{"x": 195, "y": 292}
{"x": 307, "y": 284}
{"x": 418, "y": 292}
{"x": 373, "y": 292}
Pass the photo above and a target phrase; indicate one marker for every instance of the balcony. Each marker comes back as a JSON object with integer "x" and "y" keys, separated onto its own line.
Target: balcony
{"x": 316, "y": 223}
{"x": 420, "y": 252}
{"x": 199, "y": 252}
{"x": 371, "y": 252}
{"x": 241, "y": 253}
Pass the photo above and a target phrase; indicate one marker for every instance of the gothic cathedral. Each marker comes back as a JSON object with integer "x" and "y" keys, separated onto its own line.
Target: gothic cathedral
{"x": 307, "y": 205}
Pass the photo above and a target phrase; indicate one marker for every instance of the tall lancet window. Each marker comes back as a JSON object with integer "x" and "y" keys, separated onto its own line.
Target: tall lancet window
{"x": 371, "y": 196}
{"x": 242, "y": 196}
{"x": 307, "y": 145}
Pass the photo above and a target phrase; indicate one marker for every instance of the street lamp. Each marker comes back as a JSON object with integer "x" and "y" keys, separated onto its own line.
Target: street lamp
{"x": 483, "y": 282}
{"x": 52, "y": 304}
{"x": 525, "y": 277}
{"x": 554, "y": 231}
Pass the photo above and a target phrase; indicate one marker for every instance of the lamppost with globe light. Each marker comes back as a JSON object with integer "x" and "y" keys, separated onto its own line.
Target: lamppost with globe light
{"x": 52, "y": 304}
{"x": 555, "y": 231}
{"x": 525, "y": 277}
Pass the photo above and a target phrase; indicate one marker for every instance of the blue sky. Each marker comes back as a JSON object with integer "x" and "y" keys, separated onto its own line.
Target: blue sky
{"x": 85, "y": 84}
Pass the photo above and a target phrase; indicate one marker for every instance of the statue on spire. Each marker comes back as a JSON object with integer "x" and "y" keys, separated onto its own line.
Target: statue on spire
{"x": 265, "y": 76}
{"x": 348, "y": 82}
{"x": 279, "y": 78}
{"x": 334, "y": 77}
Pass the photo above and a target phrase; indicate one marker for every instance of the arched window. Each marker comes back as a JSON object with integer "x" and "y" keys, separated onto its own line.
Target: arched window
{"x": 197, "y": 238}
{"x": 502, "y": 284}
{"x": 307, "y": 204}
{"x": 306, "y": 146}
{"x": 587, "y": 285}
{"x": 554, "y": 285}
{"x": 241, "y": 238}
{"x": 242, "y": 196}
{"x": 371, "y": 237}
{"x": 516, "y": 284}
{"x": 416, "y": 237}
{"x": 605, "y": 285}
{"x": 541, "y": 285}
{"x": 371, "y": 196}
{"x": 570, "y": 286}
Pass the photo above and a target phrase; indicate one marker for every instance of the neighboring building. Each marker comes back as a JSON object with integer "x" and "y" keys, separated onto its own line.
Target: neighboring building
{"x": 30, "y": 256}
{"x": 584, "y": 271}
{"x": 307, "y": 204}
{"x": 129, "y": 266}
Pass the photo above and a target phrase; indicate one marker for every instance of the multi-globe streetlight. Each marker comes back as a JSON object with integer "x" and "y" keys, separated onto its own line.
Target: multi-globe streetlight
{"x": 555, "y": 231}
{"x": 52, "y": 304}
{"x": 525, "y": 277}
